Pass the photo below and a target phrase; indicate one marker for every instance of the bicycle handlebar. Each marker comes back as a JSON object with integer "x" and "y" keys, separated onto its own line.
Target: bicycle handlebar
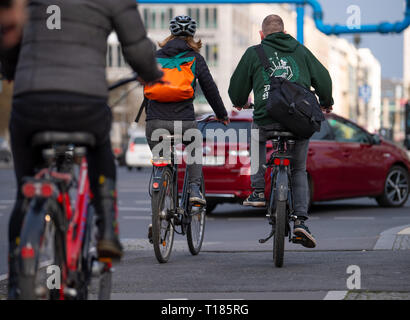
{"x": 123, "y": 82}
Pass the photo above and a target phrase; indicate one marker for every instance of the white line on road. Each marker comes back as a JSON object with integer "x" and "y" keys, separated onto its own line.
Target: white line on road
{"x": 136, "y": 218}
{"x": 335, "y": 295}
{"x": 354, "y": 218}
{"x": 3, "y": 207}
{"x": 134, "y": 209}
{"x": 7, "y": 201}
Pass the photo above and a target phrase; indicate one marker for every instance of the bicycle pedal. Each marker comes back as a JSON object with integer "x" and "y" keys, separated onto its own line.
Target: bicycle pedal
{"x": 298, "y": 240}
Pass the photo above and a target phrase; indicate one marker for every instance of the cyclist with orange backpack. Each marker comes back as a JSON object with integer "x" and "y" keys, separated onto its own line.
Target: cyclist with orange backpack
{"x": 172, "y": 100}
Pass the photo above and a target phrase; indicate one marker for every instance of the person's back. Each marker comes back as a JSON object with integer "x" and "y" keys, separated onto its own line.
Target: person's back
{"x": 293, "y": 61}
{"x": 72, "y": 58}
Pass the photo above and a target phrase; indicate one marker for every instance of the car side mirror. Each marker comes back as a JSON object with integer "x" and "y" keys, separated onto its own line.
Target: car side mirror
{"x": 376, "y": 139}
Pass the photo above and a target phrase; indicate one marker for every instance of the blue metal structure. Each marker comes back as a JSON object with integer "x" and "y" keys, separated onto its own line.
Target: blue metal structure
{"x": 383, "y": 27}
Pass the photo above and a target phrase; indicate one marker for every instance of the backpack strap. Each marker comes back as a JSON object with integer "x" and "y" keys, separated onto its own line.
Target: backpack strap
{"x": 143, "y": 105}
{"x": 264, "y": 59}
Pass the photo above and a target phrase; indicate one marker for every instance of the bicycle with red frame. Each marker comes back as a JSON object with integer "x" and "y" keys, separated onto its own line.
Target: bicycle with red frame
{"x": 57, "y": 250}
{"x": 57, "y": 254}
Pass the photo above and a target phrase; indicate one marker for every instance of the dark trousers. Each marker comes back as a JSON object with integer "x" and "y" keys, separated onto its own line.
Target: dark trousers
{"x": 57, "y": 112}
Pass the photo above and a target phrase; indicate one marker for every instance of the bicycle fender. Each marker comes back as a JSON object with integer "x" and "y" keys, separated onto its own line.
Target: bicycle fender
{"x": 282, "y": 185}
{"x": 32, "y": 230}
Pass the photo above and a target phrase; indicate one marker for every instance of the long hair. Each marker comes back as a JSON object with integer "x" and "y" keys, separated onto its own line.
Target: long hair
{"x": 195, "y": 45}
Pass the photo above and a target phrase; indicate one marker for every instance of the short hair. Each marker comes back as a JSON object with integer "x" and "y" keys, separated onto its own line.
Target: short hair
{"x": 271, "y": 24}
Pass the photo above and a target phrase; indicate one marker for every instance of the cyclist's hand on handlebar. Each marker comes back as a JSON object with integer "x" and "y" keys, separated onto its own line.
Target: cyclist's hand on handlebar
{"x": 150, "y": 83}
{"x": 328, "y": 109}
{"x": 225, "y": 120}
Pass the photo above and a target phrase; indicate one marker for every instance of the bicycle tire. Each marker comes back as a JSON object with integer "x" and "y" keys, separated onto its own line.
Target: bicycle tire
{"x": 34, "y": 236}
{"x": 280, "y": 230}
{"x": 160, "y": 219}
{"x": 196, "y": 229}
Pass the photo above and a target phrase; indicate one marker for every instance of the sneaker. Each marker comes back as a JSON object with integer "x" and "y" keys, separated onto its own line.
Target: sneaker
{"x": 196, "y": 196}
{"x": 256, "y": 199}
{"x": 301, "y": 230}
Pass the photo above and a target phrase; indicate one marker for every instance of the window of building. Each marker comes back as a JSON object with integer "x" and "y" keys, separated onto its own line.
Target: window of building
{"x": 109, "y": 56}
{"x": 212, "y": 54}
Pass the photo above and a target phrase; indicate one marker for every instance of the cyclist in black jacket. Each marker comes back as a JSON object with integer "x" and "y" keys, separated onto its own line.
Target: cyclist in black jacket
{"x": 60, "y": 85}
{"x": 164, "y": 115}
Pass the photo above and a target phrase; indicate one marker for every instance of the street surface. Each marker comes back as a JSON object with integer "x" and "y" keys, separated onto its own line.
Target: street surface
{"x": 233, "y": 265}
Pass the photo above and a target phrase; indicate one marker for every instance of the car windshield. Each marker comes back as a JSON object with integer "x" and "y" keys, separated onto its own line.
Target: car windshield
{"x": 234, "y": 130}
{"x": 139, "y": 140}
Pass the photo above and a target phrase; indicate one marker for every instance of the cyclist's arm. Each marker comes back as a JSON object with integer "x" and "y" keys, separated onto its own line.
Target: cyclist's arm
{"x": 209, "y": 88}
{"x": 138, "y": 50}
{"x": 320, "y": 79}
{"x": 8, "y": 62}
{"x": 241, "y": 84}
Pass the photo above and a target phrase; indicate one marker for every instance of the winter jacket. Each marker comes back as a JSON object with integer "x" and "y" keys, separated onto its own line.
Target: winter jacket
{"x": 185, "y": 110}
{"x": 289, "y": 59}
{"x": 73, "y": 58}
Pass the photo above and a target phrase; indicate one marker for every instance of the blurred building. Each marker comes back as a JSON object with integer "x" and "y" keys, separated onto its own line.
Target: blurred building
{"x": 406, "y": 64}
{"x": 393, "y": 110}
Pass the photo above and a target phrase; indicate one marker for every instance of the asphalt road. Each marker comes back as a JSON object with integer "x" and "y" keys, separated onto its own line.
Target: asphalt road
{"x": 233, "y": 265}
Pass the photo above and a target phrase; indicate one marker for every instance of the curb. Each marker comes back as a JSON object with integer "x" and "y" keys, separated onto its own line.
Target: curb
{"x": 395, "y": 238}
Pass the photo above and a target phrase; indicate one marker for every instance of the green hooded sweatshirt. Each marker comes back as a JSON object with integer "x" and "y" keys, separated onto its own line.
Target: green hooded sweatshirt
{"x": 289, "y": 59}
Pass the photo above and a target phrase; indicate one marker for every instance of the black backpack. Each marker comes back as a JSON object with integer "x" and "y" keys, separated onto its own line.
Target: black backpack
{"x": 290, "y": 104}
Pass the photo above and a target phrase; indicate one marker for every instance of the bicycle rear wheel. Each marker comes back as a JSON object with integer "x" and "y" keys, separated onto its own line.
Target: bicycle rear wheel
{"x": 162, "y": 204}
{"x": 39, "y": 249}
{"x": 196, "y": 229}
{"x": 280, "y": 230}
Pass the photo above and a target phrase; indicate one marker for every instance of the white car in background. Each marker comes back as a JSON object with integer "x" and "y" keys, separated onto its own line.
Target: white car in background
{"x": 138, "y": 152}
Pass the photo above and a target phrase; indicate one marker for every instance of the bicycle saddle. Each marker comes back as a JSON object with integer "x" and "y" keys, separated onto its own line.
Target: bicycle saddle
{"x": 58, "y": 137}
{"x": 282, "y": 134}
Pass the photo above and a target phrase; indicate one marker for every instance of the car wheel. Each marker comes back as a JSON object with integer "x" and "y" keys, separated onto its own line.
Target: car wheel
{"x": 396, "y": 188}
{"x": 210, "y": 206}
{"x": 129, "y": 168}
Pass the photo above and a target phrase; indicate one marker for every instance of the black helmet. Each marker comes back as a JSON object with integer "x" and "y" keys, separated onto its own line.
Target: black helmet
{"x": 182, "y": 26}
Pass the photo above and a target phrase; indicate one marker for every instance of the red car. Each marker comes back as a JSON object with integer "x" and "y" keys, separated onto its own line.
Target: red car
{"x": 344, "y": 161}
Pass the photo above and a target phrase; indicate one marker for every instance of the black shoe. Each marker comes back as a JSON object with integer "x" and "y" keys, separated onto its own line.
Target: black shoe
{"x": 195, "y": 195}
{"x": 108, "y": 244}
{"x": 256, "y": 199}
{"x": 301, "y": 230}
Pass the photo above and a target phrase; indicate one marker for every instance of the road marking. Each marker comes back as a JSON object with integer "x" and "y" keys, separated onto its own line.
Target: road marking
{"x": 335, "y": 295}
{"x": 142, "y": 201}
{"x": 7, "y": 201}
{"x": 3, "y": 277}
{"x": 136, "y": 218}
{"x": 354, "y": 218}
{"x": 133, "y": 190}
{"x": 134, "y": 209}
{"x": 404, "y": 231}
{"x": 3, "y": 207}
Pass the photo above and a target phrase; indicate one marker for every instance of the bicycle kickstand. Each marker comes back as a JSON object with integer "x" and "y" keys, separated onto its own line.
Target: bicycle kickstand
{"x": 270, "y": 236}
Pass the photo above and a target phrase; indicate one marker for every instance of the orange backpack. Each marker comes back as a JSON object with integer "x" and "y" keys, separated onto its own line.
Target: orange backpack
{"x": 179, "y": 80}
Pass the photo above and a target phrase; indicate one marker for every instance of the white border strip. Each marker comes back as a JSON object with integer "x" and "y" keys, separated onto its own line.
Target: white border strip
{"x": 335, "y": 295}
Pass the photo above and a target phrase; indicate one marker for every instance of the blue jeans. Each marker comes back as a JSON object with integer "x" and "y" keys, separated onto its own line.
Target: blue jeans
{"x": 298, "y": 168}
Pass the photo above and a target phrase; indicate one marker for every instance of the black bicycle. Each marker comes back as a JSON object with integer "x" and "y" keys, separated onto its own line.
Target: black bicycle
{"x": 172, "y": 212}
{"x": 280, "y": 210}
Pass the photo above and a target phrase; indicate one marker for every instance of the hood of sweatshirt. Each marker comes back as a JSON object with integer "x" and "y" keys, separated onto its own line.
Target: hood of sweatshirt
{"x": 174, "y": 47}
{"x": 281, "y": 41}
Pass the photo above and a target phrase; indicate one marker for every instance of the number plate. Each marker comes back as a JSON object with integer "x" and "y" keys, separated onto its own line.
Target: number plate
{"x": 213, "y": 161}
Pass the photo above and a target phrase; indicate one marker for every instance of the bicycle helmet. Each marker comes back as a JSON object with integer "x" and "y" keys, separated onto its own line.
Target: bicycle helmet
{"x": 182, "y": 26}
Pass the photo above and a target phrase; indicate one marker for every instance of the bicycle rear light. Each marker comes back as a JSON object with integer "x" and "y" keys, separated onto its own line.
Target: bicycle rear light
{"x": 286, "y": 162}
{"x": 276, "y": 161}
{"x": 39, "y": 189}
{"x": 47, "y": 190}
{"x": 29, "y": 190}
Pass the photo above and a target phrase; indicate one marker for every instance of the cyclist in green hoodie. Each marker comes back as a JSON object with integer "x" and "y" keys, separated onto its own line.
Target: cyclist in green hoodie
{"x": 293, "y": 61}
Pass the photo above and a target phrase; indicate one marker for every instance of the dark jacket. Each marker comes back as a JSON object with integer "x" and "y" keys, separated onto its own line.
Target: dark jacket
{"x": 291, "y": 60}
{"x": 73, "y": 59}
{"x": 185, "y": 110}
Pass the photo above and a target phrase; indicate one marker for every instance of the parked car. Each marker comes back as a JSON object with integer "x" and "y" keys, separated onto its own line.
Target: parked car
{"x": 138, "y": 153}
{"x": 344, "y": 161}
{"x": 5, "y": 154}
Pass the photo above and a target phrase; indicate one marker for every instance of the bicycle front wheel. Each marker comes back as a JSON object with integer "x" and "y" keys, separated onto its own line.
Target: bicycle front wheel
{"x": 196, "y": 229}
{"x": 162, "y": 204}
{"x": 279, "y": 238}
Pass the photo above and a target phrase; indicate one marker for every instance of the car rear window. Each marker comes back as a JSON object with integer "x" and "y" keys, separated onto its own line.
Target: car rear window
{"x": 140, "y": 140}
{"x": 237, "y": 126}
